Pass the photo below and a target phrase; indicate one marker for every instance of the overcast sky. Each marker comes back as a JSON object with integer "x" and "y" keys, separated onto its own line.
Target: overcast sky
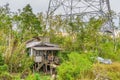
{"x": 42, "y": 5}
{"x": 37, "y": 5}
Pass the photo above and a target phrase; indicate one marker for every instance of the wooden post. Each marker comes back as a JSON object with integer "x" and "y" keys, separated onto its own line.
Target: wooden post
{"x": 46, "y": 67}
{"x": 35, "y": 66}
{"x": 46, "y": 61}
{"x": 31, "y": 52}
{"x": 52, "y": 56}
{"x": 51, "y": 70}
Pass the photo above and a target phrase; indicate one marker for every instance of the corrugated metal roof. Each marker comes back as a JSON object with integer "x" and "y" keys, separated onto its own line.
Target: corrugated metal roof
{"x": 47, "y": 48}
{"x": 46, "y": 44}
{"x": 40, "y": 44}
{"x": 32, "y": 44}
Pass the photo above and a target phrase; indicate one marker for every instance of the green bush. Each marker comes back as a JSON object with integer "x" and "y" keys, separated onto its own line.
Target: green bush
{"x": 16, "y": 77}
{"x": 25, "y": 73}
{"x": 5, "y": 76}
{"x": 1, "y": 60}
{"x": 3, "y": 68}
{"x": 76, "y": 65}
{"x": 18, "y": 61}
{"x": 35, "y": 76}
{"x": 91, "y": 56}
{"x": 63, "y": 55}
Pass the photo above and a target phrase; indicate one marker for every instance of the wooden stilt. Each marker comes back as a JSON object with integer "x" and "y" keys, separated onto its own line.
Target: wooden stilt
{"x": 45, "y": 61}
{"x": 51, "y": 64}
{"x": 35, "y": 67}
{"x": 38, "y": 67}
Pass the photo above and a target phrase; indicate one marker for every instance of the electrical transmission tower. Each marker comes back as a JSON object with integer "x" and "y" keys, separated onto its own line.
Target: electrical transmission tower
{"x": 85, "y": 9}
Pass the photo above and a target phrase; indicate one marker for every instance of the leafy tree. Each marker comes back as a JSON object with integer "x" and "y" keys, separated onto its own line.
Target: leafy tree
{"x": 18, "y": 61}
{"x": 10, "y": 39}
{"x": 28, "y": 24}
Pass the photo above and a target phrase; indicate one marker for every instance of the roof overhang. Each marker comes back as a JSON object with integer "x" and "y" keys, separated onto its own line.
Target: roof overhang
{"x": 47, "y": 48}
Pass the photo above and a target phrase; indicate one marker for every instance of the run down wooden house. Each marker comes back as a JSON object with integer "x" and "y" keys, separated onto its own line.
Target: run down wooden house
{"x": 44, "y": 54}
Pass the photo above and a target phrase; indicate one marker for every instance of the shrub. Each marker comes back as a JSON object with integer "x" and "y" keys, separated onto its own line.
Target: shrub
{"x": 1, "y": 60}
{"x": 107, "y": 51}
{"x": 75, "y": 67}
{"x": 5, "y": 76}
{"x": 3, "y": 68}
{"x": 25, "y": 73}
{"x": 63, "y": 56}
{"x": 111, "y": 71}
{"x": 18, "y": 60}
{"x": 35, "y": 76}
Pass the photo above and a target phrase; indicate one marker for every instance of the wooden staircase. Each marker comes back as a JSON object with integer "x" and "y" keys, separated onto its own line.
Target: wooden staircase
{"x": 41, "y": 64}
